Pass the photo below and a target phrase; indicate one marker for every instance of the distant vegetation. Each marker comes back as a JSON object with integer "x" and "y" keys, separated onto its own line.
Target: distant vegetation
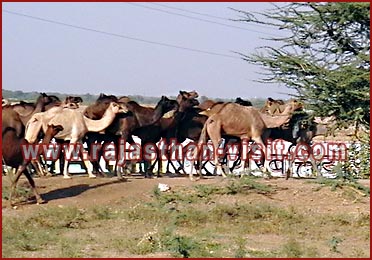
{"x": 89, "y": 98}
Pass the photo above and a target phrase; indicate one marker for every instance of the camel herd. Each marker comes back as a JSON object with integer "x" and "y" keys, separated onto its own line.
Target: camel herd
{"x": 111, "y": 119}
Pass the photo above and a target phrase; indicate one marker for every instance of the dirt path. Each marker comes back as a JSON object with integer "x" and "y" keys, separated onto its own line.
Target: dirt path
{"x": 83, "y": 191}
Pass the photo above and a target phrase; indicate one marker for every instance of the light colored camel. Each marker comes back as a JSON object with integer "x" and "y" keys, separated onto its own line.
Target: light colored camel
{"x": 75, "y": 125}
{"x": 244, "y": 122}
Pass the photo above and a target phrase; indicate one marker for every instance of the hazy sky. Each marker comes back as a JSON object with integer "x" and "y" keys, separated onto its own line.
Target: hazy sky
{"x": 42, "y": 56}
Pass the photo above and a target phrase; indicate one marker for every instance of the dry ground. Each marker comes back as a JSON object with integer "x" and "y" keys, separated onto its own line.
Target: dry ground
{"x": 215, "y": 217}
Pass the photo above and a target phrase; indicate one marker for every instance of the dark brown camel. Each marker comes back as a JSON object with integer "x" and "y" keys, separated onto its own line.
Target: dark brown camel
{"x": 13, "y": 156}
{"x": 166, "y": 128}
{"x": 243, "y": 102}
{"x": 124, "y": 126}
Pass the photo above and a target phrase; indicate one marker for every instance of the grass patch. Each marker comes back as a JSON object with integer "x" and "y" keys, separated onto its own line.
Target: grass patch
{"x": 185, "y": 222}
{"x": 23, "y": 192}
{"x": 353, "y": 185}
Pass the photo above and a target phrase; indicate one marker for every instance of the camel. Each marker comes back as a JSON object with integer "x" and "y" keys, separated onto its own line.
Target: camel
{"x": 186, "y": 95}
{"x": 210, "y": 107}
{"x": 243, "y": 102}
{"x": 166, "y": 127}
{"x": 5, "y": 102}
{"x": 145, "y": 123}
{"x": 75, "y": 125}
{"x": 13, "y": 156}
{"x": 124, "y": 125}
{"x": 206, "y": 104}
{"x": 243, "y": 122}
{"x": 17, "y": 116}
{"x": 276, "y": 106}
{"x": 124, "y": 99}
{"x": 26, "y": 109}
{"x": 11, "y": 118}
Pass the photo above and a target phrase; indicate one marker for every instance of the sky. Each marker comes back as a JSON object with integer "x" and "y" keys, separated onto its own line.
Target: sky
{"x": 43, "y": 56}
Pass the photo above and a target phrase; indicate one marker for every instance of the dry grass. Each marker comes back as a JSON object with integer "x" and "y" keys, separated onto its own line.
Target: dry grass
{"x": 198, "y": 221}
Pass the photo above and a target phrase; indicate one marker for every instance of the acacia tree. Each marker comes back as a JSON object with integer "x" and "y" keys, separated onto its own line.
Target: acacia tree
{"x": 324, "y": 57}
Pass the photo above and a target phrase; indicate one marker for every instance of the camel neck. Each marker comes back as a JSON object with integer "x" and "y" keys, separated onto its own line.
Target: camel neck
{"x": 274, "y": 121}
{"x": 101, "y": 124}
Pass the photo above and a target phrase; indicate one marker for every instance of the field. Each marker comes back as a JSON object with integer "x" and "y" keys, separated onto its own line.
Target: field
{"x": 213, "y": 217}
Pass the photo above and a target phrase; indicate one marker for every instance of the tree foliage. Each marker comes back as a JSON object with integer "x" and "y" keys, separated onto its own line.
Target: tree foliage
{"x": 324, "y": 56}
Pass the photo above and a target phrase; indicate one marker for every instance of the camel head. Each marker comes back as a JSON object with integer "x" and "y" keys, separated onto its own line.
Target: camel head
{"x": 277, "y": 106}
{"x": 52, "y": 130}
{"x": 183, "y": 95}
{"x": 47, "y": 99}
{"x": 191, "y": 94}
{"x": 72, "y": 99}
{"x": 118, "y": 107}
{"x": 185, "y": 102}
{"x": 106, "y": 98}
{"x": 243, "y": 102}
{"x": 5, "y": 102}
{"x": 165, "y": 105}
{"x": 295, "y": 105}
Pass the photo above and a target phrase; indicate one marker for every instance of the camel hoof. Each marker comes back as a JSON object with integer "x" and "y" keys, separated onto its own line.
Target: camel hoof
{"x": 122, "y": 179}
{"x": 92, "y": 176}
{"x": 40, "y": 201}
{"x": 66, "y": 177}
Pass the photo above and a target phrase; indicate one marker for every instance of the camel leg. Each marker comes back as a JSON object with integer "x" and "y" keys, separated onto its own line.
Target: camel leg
{"x": 196, "y": 154}
{"x": 39, "y": 200}
{"x": 14, "y": 183}
{"x": 215, "y": 136}
{"x": 67, "y": 152}
{"x": 265, "y": 170}
{"x": 160, "y": 163}
{"x": 22, "y": 169}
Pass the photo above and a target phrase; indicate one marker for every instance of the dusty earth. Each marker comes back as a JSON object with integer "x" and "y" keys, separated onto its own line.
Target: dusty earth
{"x": 82, "y": 192}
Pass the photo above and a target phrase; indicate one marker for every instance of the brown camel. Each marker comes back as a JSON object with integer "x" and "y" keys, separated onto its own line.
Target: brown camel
{"x": 124, "y": 125}
{"x": 13, "y": 156}
{"x": 26, "y": 109}
{"x": 239, "y": 121}
{"x": 11, "y": 118}
{"x": 124, "y": 99}
{"x": 75, "y": 125}
{"x": 207, "y": 104}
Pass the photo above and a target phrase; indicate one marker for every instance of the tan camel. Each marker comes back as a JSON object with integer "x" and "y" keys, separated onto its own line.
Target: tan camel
{"x": 244, "y": 122}
{"x": 276, "y": 107}
{"x": 75, "y": 126}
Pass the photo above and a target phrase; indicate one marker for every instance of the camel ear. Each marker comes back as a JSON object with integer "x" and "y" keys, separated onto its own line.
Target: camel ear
{"x": 270, "y": 99}
{"x": 163, "y": 97}
{"x": 43, "y": 94}
{"x": 182, "y": 92}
